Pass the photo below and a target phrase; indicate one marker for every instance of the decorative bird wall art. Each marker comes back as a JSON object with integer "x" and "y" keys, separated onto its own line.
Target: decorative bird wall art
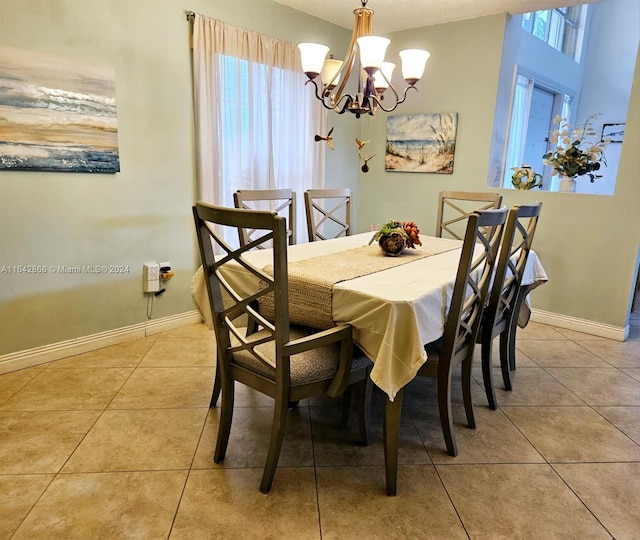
{"x": 365, "y": 165}
{"x": 327, "y": 138}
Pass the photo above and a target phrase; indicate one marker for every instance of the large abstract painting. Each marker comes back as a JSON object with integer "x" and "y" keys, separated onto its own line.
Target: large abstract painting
{"x": 56, "y": 115}
{"x": 424, "y": 143}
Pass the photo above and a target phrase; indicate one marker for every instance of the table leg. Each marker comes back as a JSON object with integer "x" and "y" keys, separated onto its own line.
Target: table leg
{"x": 392, "y": 441}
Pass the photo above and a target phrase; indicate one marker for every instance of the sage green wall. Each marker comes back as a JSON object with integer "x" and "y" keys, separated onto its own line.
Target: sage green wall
{"x": 142, "y": 213}
{"x": 588, "y": 244}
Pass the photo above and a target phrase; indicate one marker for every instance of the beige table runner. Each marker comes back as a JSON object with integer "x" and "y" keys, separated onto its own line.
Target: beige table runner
{"x": 311, "y": 280}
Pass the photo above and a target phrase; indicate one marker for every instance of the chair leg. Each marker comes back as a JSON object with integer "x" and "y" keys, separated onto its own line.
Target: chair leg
{"x": 275, "y": 444}
{"x": 487, "y": 372}
{"x": 444, "y": 407}
{"x": 224, "y": 426}
{"x": 505, "y": 357}
{"x": 216, "y": 389}
{"x": 363, "y": 391}
{"x": 466, "y": 392}
{"x": 346, "y": 406}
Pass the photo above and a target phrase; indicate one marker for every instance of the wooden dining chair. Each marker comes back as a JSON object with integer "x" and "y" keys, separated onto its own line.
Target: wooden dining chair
{"x": 281, "y": 201}
{"x": 328, "y": 213}
{"x": 455, "y": 348}
{"x": 285, "y": 362}
{"x": 454, "y": 208}
{"x": 500, "y": 317}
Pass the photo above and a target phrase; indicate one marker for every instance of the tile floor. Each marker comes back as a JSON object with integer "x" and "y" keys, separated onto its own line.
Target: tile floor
{"x": 117, "y": 443}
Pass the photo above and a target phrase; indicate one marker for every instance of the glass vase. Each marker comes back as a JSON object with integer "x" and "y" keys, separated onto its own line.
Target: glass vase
{"x": 567, "y": 185}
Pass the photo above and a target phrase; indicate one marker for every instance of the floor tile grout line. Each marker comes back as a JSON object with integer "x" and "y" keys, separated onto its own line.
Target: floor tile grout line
{"x": 584, "y": 504}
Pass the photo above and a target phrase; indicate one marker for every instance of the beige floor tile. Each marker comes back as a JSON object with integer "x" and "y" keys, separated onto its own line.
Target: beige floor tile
{"x": 166, "y": 388}
{"x": 106, "y": 505}
{"x": 599, "y": 386}
{"x": 617, "y": 353}
{"x": 69, "y": 389}
{"x": 157, "y": 416}
{"x": 422, "y": 391}
{"x": 517, "y": 501}
{"x": 12, "y": 382}
{"x": 626, "y": 419}
{"x": 190, "y": 331}
{"x": 227, "y": 503}
{"x": 139, "y": 440}
{"x": 181, "y": 351}
{"x": 530, "y": 386}
{"x": 335, "y": 447}
{"x": 249, "y": 439}
{"x": 18, "y": 493}
{"x": 494, "y": 440}
{"x": 580, "y": 336}
{"x": 632, "y": 372}
{"x": 522, "y": 360}
{"x": 127, "y": 354}
{"x": 40, "y": 442}
{"x": 536, "y": 330}
{"x": 610, "y": 491}
{"x": 353, "y": 504}
{"x": 572, "y": 434}
{"x": 546, "y": 353}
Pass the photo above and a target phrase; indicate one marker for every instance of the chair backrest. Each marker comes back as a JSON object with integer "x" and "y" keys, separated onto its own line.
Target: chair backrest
{"x": 475, "y": 271}
{"x": 234, "y": 312}
{"x": 454, "y": 208}
{"x": 519, "y": 231}
{"x": 281, "y": 201}
{"x": 328, "y": 213}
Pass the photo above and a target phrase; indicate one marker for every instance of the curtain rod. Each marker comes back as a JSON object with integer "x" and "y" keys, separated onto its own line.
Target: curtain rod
{"x": 190, "y": 15}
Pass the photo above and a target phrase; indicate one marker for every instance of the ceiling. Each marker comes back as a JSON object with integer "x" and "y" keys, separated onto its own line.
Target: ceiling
{"x": 396, "y": 15}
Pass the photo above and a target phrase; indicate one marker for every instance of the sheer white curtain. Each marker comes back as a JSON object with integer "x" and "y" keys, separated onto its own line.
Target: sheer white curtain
{"x": 255, "y": 119}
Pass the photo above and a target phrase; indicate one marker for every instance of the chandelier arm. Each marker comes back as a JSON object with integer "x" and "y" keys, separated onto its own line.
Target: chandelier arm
{"x": 336, "y": 107}
{"x": 397, "y": 102}
{"x": 363, "y": 27}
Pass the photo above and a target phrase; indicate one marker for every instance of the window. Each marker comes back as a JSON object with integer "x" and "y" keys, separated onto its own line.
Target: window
{"x": 255, "y": 118}
{"x": 534, "y": 107}
{"x": 561, "y": 28}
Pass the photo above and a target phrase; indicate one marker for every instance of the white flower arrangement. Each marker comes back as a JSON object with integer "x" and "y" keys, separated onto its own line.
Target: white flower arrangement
{"x": 578, "y": 151}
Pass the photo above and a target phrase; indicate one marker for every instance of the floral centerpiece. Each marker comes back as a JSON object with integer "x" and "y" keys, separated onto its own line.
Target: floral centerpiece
{"x": 525, "y": 177}
{"x": 394, "y": 236}
{"x": 578, "y": 152}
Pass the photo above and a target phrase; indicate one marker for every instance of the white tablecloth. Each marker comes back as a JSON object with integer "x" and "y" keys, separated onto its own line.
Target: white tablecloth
{"x": 393, "y": 313}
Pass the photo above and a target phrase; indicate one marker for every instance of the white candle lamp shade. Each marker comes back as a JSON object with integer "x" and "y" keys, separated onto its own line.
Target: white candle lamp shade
{"x": 372, "y": 50}
{"x": 413, "y": 63}
{"x": 379, "y": 81}
{"x": 330, "y": 69}
{"x": 312, "y": 57}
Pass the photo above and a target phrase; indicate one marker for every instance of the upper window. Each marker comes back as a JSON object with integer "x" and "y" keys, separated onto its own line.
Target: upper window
{"x": 560, "y": 27}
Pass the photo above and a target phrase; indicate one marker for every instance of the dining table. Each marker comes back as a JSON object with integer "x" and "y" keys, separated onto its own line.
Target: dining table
{"x": 395, "y": 305}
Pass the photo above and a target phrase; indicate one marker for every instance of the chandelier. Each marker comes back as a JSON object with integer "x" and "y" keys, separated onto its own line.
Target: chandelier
{"x": 374, "y": 73}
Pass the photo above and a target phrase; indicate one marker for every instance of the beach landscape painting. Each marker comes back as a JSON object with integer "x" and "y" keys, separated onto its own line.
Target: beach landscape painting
{"x": 423, "y": 143}
{"x": 56, "y": 114}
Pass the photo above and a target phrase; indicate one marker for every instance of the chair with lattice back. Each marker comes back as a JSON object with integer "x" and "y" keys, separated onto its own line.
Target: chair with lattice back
{"x": 500, "y": 317}
{"x": 454, "y": 208}
{"x": 328, "y": 213}
{"x": 455, "y": 348}
{"x": 285, "y": 362}
{"x": 281, "y": 201}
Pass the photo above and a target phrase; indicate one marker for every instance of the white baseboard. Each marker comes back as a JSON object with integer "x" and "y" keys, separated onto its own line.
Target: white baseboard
{"x": 580, "y": 325}
{"x": 63, "y": 349}
{"x": 71, "y": 347}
